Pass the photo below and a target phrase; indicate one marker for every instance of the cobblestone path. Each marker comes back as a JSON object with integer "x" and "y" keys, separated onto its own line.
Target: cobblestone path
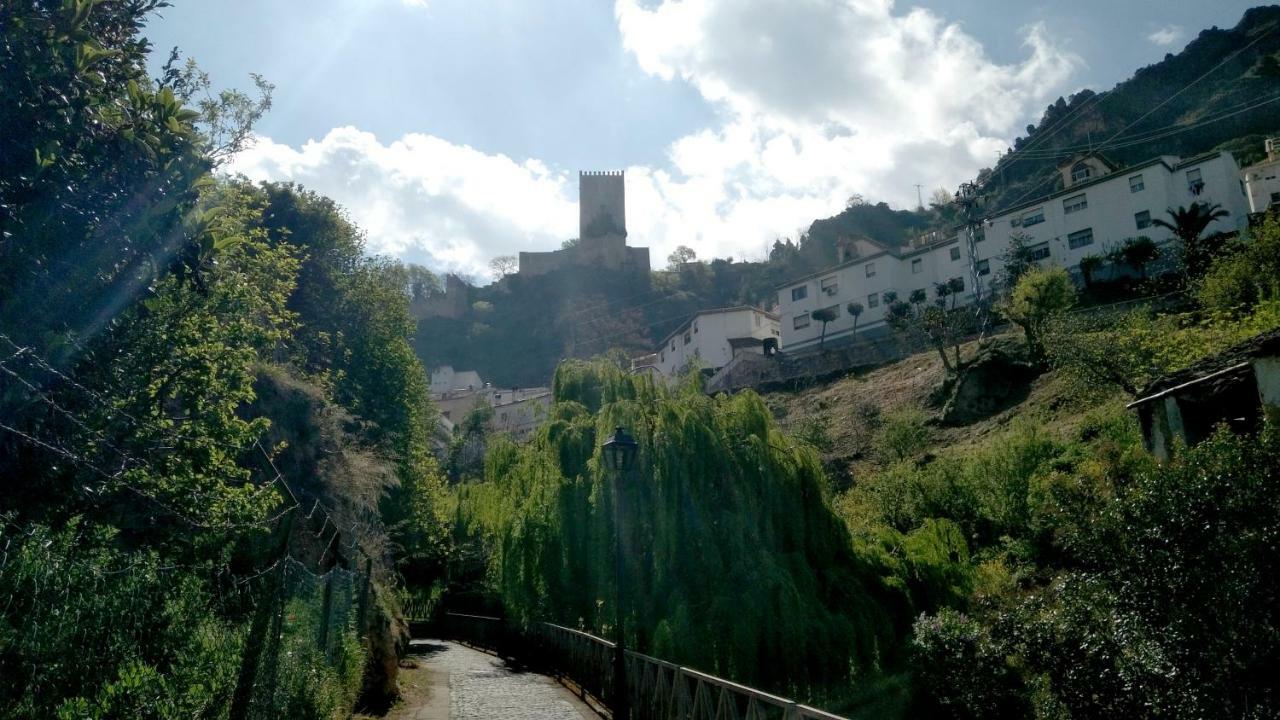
{"x": 458, "y": 683}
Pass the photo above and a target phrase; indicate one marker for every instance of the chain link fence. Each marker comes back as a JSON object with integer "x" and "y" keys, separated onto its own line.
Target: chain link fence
{"x": 90, "y": 630}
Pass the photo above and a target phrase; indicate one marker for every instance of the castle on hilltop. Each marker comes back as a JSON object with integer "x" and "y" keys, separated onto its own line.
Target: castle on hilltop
{"x": 602, "y": 231}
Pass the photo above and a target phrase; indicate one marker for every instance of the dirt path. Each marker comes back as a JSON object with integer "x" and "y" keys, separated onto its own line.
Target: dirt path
{"x": 453, "y": 682}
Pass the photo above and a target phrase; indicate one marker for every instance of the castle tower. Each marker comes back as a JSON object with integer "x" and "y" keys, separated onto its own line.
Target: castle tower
{"x": 601, "y": 204}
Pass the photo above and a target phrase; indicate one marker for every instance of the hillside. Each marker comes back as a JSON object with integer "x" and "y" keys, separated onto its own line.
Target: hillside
{"x": 842, "y": 417}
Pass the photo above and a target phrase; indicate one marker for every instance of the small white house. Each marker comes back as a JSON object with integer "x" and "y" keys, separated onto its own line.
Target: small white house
{"x": 1100, "y": 206}
{"x": 711, "y": 339}
{"x": 1262, "y": 180}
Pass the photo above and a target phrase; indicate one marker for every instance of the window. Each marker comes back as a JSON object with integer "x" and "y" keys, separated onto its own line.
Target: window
{"x": 1081, "y": 172}
{"x": 979, "y": 235}
{"x": 662, "y": 356}
{"x": 984, "y": 267}
{"x": 955, "y": 254}
{"x": 695, "y": 326}
{"x": 687, "y": 338}
{"x": 1035, "y": 217}
{"x": 1194, "y": 182}
{"x": 871, "y": 269}
{"x": 757, "y": 318}
{"x": 873, "y": 300}
{"x": 799, "y": 293}
{"x": 1142, "y": 219}
{"x": 1074, "y": 204}
{"x": 1040, "y": 252}
{"x": 956, "y": 284}
{"x": 1078, "y": 239}
{"x": 1136, "y": 184}
{"x": 1275, "y": 197}
{"x": 830, "y": 285}
{"x": 917, "y": 266}
{"x": 800, "y": 321}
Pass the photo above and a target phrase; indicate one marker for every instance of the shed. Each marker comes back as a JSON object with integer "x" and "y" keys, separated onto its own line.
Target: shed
{"x": 1237, "y": 387}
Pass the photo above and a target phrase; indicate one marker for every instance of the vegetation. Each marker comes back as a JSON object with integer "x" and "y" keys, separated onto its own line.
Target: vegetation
{"x": 1037, "y": 298}
{"x": 209, "y": 405}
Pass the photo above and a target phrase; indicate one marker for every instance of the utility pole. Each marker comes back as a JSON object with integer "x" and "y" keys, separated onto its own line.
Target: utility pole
{"x": 919, "y": 197}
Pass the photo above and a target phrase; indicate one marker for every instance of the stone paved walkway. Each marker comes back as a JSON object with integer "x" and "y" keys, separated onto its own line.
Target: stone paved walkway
{"x": 458, "y": 683}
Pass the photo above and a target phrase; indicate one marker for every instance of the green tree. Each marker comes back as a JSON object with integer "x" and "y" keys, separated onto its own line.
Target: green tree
{"x": 1035, "y": 300}
{"x": 1138, "y": 253}
{"x": 1089, "y": 266}
{"x": 1196, "y": 251}
{"x": 855, "y": 311}
{"x": 824, "y": 316}
{"x": 682, "y": 255}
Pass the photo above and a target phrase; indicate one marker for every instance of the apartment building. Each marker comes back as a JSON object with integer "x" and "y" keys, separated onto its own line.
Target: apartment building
{"x": 516, "y": 411}
{"x": 1262, "y": 180}
{"x": 712, "y": 338}
{"x": 1100, "y": 206}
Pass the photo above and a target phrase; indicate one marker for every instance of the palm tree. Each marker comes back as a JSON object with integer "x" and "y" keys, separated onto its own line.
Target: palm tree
{"x": 824, "y": 316}
{"x": 1187, "y": 224}
{"x": 855, "y": 309}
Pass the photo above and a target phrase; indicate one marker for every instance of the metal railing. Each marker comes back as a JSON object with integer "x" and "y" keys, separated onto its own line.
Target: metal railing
{"x": 657, "y": 689}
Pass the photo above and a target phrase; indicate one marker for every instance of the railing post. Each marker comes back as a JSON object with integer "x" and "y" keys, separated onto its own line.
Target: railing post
{"x": 326, "y": 607}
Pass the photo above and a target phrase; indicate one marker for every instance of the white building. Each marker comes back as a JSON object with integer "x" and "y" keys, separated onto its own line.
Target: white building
{"x": 711, "y": 338}
{"x": 1260, "y": 181}
{"x": 445, "y": 380}
{"x": 1100, "y": 207}
{"x": 516, "y": 411}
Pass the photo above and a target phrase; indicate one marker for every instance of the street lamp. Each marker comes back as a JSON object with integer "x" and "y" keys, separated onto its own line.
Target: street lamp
{"x": 619, "y": 452}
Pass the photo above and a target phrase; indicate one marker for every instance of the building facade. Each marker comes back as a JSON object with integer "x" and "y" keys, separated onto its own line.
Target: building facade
{"x": 712, "y": 338}
{"x": 1262, "y": 180}
{"x": 602, "y": 231}
{"x": 516, "y": 411}
{"x": 1099, "y": 207}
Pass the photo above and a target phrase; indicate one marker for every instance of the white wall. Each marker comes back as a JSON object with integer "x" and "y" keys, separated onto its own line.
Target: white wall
{"x": 1262, "y": 185}
{"x": 708, "y": 338}
{"x": 1109, "y": 212}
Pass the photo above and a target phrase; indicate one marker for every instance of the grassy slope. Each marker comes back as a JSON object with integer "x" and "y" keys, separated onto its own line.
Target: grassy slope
{"x": 846, "y": 409}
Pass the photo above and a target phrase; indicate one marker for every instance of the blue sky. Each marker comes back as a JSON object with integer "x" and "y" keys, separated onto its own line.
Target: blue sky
{"x": 452, "y": 130}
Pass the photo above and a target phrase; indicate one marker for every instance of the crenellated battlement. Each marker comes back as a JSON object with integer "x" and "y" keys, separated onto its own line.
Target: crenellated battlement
{"x": 602, "y": 230}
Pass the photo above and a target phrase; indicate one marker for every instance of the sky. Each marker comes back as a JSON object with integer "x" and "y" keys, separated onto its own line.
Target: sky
{"x": 452, "y": 131}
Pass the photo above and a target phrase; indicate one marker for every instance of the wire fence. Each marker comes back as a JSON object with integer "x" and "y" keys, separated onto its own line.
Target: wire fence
{"x": 88, "y": 630}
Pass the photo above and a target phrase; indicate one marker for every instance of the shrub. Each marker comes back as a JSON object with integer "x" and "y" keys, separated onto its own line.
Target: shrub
{"x": 902, "y": 435}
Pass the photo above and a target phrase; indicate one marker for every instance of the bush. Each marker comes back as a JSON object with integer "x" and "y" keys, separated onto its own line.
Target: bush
{"x": 961, "y": 672}
{"x": 902, "y": 435}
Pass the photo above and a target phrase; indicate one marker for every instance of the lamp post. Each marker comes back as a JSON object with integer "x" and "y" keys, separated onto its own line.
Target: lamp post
{"x": 619, "y": 452}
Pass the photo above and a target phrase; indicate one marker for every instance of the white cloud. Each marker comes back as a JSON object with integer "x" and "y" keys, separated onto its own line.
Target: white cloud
{"x": 424, "y": 199}
{"x": 825, "y": 98}
{"x": 415, "y": 3}
{"x": 1167, "y": 35}
{"x": 818, "y": 99}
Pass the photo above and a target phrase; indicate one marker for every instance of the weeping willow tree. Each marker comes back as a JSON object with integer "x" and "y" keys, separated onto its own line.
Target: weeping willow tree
{"x": 734, "y": 562}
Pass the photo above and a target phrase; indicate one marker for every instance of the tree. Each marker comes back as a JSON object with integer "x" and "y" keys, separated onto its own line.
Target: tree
{"x": 422, "y": 282}
{"x": 824, "y": 316}
{"x": 1138, "y": 253}
{"x": 855, "y": 309}
{"x": 504, "y": 265}
{"x": 940, "y": 328}
{"x": 683, "y": 254}
{"x": 570, "y": 244}
{"x": 1188, "y": 225}
{"x": 1090, "y": 264}
{"x": 1037, "y": 298}
{"x": 855, "y": 200}
{"x": 1017, "y": 260}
